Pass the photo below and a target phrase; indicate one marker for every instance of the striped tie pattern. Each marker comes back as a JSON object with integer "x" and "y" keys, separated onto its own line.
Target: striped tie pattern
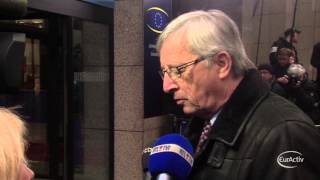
{"x": 204, "y": 136}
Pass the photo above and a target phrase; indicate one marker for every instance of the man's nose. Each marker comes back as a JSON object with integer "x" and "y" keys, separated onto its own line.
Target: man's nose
{"x": 169, "y": 85}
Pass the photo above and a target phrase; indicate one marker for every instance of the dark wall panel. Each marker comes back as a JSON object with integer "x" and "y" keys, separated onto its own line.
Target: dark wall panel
{"x": 230, "y": 7}
{"x": 75, "y": 9}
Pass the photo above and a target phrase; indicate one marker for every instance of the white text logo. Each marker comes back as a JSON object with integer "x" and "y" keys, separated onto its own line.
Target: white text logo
{"x": 290, "y": 159}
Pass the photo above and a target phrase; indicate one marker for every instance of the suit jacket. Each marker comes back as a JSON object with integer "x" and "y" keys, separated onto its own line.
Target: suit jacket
{"x": 257, "y": 136}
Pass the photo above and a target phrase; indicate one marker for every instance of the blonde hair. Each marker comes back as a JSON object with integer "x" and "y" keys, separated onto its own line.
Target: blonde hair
{"x": 285, "y": 52}
{"x": 209, "y": 32}
{"x": 12, "y": 144}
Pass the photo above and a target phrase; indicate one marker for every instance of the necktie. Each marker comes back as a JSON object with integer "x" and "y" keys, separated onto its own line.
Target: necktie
{"x": 204, "y": 136}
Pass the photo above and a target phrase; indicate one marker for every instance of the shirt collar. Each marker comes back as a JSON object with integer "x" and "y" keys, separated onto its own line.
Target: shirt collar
{"x": 214, "y": 118}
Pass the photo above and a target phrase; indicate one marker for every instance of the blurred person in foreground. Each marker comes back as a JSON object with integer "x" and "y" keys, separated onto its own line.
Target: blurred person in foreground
{"x": 254, "y": 134}
{"x": 13, "y": 164}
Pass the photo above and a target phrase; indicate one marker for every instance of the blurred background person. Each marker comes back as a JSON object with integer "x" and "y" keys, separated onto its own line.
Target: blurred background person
{"x": 13, "y": 164}
{"x": 294, "y": 84}
{"x": 303, "y": 92}
{"x": 267, "y": 75}
{"x": 315, "y": 61}
{"x": 297, "y": 88}
{"x": 290, "y": 38}
{"x": 284, "y": 57}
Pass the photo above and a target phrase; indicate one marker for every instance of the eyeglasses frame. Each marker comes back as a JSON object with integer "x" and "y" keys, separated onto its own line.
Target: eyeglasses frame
{"x": 179, "y": 69}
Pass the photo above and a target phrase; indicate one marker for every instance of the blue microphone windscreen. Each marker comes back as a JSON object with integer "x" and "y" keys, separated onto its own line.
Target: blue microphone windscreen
{"x": 172, "y": 154}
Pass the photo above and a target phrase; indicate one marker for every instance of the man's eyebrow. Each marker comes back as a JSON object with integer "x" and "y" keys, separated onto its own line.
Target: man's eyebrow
{"x": 172, "y": 65}
{"x": 167, "y": 66}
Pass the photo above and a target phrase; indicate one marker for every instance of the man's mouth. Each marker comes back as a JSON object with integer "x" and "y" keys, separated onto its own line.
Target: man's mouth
{"x": 180, "y": 101}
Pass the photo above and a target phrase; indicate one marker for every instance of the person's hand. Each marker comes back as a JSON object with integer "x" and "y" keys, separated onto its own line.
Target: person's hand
{"x": 297, "y": 84}
{"x": 283, "y": 80}
{"x": 25, "y": 173}
{"x": 292, "y": 60}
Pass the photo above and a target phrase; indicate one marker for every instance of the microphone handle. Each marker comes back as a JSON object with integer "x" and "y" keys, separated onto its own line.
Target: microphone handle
{"x": 148, "y": 176}
{"x": 163, "y": 176}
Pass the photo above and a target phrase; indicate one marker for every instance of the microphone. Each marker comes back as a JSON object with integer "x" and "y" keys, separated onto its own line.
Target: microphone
{"x": 171, "y": 158}
{"x": 145, "y": 159}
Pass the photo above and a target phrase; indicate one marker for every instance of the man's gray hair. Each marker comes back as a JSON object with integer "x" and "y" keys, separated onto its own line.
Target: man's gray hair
{"x": 209, "y": 32}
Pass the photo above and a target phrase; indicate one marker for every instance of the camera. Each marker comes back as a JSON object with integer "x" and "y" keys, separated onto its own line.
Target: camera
{"x": 293, "y": 80}
{"x": 296, "y": 73}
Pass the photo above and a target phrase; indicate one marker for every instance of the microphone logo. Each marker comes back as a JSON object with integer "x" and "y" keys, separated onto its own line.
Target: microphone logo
{"x": 147, "y": 150}
{"x": 174, "y": 149}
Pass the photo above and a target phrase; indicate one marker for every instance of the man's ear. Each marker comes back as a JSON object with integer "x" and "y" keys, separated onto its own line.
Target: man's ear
{"x": 224, "y": 63}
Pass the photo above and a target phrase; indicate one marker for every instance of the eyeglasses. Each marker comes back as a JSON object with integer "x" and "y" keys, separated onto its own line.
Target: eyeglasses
{"x": 175, "y": 72}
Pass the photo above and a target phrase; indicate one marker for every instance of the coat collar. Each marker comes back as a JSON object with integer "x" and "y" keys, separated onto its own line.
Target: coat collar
{"x": 238, "y": 108}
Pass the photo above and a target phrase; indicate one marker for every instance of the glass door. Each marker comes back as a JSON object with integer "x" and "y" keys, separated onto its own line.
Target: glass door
{"x": 90, "y": 118}
{"x": 32, "y": 82}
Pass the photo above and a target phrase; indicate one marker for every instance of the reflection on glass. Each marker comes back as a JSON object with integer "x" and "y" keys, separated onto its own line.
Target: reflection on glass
{"x": 90, "y": 100}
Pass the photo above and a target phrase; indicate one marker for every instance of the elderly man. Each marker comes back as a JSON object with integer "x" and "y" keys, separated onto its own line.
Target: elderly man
{"x": 250, "y": 133}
